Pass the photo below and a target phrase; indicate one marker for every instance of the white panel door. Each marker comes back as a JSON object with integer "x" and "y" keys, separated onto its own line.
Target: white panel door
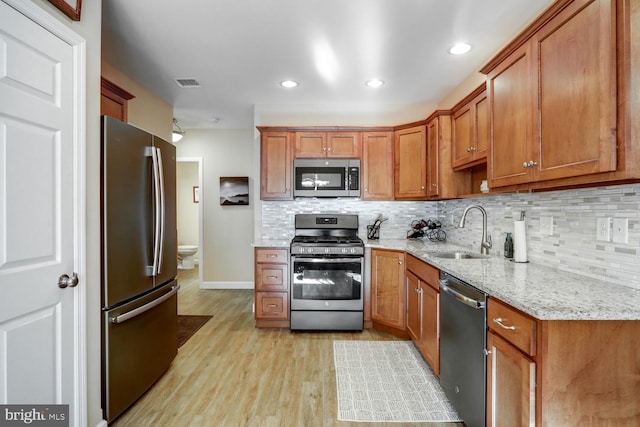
{"x": 38, "y": 230}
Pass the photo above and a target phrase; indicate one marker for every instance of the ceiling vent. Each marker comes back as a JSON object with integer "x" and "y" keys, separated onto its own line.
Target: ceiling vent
{"x": 187, "y": 83}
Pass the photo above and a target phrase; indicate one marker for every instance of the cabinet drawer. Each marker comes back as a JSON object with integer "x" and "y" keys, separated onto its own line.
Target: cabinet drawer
{"x": 272, "y": 277}
{"x": 272, "y": 305}
{"x": 272, "y": 255}
{"x": 427, "y": 273}
{"x": 514, "y": 326}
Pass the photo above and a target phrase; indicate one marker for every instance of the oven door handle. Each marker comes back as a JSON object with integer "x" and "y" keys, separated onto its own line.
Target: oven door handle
{"x": 328, "y": 260}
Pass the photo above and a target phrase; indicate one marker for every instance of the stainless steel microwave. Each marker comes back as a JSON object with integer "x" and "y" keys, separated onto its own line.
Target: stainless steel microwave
{"x": 326, "y": 178}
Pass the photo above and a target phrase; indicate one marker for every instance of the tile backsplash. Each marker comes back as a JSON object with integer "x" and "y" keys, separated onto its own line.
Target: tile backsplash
{"x": 572, "y": 245}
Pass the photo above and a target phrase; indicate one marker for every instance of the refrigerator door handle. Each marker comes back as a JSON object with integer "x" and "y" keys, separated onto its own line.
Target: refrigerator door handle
{"x": 121, "y": 318}
{"x": 157, "y": 212}
{"x": 162, "y": 211}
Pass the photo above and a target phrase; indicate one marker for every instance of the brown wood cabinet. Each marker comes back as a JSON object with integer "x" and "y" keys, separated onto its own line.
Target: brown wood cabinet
{"x": 471, "y": 130}
{"x": 553, "y": 98}
{"x": 276, "y": 165}
{"x": 114, "y": 100}
{"x": 560, "y": 372}
{"x": 376, "y": 173}
{"x": 388, "y": 290}
{"x": 328, "y": 144}
{"x": 511, "y": 373}
{"x": 423, "y": 309}
{"x": 271, "y": 287}
{"x": 410, "y": 163}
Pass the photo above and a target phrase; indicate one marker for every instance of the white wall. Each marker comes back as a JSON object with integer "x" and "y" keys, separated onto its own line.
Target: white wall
{"x": 227, "y": 252}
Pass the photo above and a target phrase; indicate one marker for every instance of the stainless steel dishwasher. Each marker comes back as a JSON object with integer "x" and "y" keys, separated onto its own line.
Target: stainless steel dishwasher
{"x": 463, "y": 342}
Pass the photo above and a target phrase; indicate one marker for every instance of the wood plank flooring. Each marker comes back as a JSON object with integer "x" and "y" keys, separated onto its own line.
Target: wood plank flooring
{"x": 231, "y": 374}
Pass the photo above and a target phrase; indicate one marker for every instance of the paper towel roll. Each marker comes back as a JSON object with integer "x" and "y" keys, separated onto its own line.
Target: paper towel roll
{"x": 519, "y": 241}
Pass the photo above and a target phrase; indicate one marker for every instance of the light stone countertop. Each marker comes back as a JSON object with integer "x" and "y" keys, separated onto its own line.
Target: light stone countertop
{"x": 543, "y": 292}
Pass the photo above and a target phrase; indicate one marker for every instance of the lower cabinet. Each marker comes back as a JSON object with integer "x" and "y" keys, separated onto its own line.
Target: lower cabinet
{"x": 510, "y": 385}
{"x": 561, "y": 372}
{"x": 272, "y": 287}
{"x": 423, "y": 309}
{"x": 388, "y": 291}
{"x": 511, "y": 371}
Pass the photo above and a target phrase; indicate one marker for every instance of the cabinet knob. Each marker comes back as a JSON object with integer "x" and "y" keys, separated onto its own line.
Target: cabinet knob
{"x": 468, "y": 149}
{"x": 532, "y": 163}
{"x": 434, "y": 185}
{"x": 329, "y": 149}
{"x": 400, "y": 262}
{"x": 422, "y": 187}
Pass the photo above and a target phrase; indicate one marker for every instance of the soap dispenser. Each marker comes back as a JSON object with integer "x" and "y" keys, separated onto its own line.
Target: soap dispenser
{"x": 508, "y": 246}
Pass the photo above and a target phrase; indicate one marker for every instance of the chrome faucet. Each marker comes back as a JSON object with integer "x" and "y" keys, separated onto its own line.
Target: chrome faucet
{"x": 485, "y": 245}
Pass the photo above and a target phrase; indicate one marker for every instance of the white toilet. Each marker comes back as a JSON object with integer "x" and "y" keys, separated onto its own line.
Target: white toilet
{"x": 185, "y": 256}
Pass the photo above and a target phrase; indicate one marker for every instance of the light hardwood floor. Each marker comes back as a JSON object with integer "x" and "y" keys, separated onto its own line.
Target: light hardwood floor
{"x": 231, "y": 374}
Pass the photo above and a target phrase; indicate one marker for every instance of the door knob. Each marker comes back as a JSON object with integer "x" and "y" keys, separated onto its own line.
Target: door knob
{"x": 65, "y": 281}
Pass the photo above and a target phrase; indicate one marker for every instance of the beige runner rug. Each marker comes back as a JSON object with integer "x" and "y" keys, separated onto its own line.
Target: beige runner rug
{"x": 387, "y": 381}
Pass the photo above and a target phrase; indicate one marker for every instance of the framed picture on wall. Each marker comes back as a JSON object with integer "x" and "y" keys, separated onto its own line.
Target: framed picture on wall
{"x": 71, "y": 8}
{"x": 234, "y": 190}
{"x": 196, "y": 194}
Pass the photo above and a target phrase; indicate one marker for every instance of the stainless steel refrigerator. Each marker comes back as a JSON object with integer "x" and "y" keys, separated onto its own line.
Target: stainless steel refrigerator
{"x": 139, "y": 262}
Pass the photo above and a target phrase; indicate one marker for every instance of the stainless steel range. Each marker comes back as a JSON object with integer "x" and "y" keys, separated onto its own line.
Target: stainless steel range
{"x": 327, "y": 259}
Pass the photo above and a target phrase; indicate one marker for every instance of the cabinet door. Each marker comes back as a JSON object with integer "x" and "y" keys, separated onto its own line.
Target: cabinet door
{"x": 481, "y": 127}
{"x": 275, "y": 166}
{"x": 430, "y": 326}
{"x": 311, "y": 144}
{"x": 433, "y": 155}
{"x": 462, "y": 137}
{"x": 577, "y": 86}
{"x": 344, "y": 145}
{"x": 414, "y": 308}
{"x": 510, "y": 385}
{"x": 411, "y": 163}
{"x": 377, "y": 166}
{"x": 387, "y": 288}
{"x": 511, "y": 111}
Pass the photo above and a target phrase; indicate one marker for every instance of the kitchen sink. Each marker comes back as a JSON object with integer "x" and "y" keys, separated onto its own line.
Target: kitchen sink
{"x": 458, "y": 255}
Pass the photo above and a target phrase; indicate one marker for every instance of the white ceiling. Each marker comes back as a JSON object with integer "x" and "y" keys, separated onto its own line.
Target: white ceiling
{"x": 239, "y": 51}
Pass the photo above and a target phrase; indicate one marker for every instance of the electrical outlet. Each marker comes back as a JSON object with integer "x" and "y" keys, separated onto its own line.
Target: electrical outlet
{"x": 546, "y": 225}
{"x": 603, "y": 229}
{"x": 620, "y": 230}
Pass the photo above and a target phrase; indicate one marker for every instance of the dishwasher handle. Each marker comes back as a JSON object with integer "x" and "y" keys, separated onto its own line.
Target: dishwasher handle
{"x": 471, "y": 302}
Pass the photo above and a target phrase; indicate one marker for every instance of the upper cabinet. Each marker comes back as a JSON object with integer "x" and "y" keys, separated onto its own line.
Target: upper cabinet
{"x": 376, "y": 175}
{"x": 328, "y": 144}
{"x": 471, "y": 130}
{"x": 113, "y": 100}
{"x": 276, "y": 164}
{"x": 442, "y": 181}
{"x": 410, "y": 152}
{"x": 552, "y": 97}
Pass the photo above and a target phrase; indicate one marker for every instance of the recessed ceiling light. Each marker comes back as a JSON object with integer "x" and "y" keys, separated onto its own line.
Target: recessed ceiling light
{"x": 374, "y": 83}
{"x": 460, "y": 49}
{"x": 288, "y": 83}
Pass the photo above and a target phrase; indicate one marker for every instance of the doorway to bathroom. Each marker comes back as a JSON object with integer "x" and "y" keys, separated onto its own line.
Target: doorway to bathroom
{"x": 189, "y": 213}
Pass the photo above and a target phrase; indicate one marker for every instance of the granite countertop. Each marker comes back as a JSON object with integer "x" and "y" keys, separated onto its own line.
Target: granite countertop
{"x": 543, "y": 292}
